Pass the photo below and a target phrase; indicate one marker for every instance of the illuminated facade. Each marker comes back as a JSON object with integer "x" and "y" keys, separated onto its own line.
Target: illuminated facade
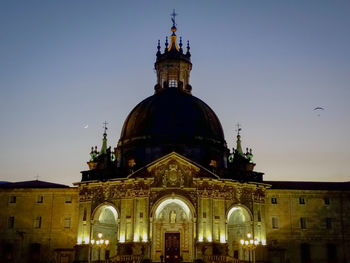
{"x": 171, "y": 191}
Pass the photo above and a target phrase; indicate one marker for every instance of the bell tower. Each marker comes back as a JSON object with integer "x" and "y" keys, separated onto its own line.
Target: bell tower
{"x": 173, "y": 66}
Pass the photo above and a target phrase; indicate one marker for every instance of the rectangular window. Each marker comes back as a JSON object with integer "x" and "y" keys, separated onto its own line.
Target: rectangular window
{"x": 204, "y": 215}
{"x": 326, "y": 201}
{"x": 329, "y": 223}
{"x": 12, "y": 199}
{"x": 302, "y": 200}
{"x": 172, "y": 83}
{"x": 68, "y": 199}
{"x": 67, "y": 222}
{"x": 37, "y": 222}
{"x": 141, "y": 215}
{"x": 273, "y": 200}
{"x": 217, "y": 217}
{"x": 39, "y": 199}
{"x": 302, "y": 222}
{"x": 11, "y": 222}
{"x": 275, "y": 222}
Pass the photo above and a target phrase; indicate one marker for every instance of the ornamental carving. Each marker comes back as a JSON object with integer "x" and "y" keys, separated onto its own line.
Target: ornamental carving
{"x": 259, "y": 196}
{"x": 173, "y": 176}
{"x": 108, "y": 192}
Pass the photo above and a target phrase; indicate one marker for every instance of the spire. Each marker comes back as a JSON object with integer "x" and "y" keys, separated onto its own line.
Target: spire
{"x": 158, "y": 48}
{"x": 188, "y": 49}
{"x": 104, "y": 140}
{"x": 239, "y": 146}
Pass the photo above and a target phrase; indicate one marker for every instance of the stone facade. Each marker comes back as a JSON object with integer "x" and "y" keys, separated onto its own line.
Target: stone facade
{"x": 170, "y": 196}
{"x": 308, "y": 224}
{"x": 38, "y": 224}
{"x": 173, "y": 195}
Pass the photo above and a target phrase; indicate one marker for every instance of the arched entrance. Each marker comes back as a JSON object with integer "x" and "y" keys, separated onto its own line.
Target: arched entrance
{"x": 172, "y": 230}
{"x": 104, "y": 227}
{"x": 239, "y": 224}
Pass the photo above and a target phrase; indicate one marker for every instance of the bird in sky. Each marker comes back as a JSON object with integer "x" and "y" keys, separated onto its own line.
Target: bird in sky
{"x": 318, "y": 109}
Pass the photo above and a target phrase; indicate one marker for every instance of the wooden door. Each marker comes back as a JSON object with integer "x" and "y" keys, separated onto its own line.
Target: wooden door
{"x": 172, "y": 247}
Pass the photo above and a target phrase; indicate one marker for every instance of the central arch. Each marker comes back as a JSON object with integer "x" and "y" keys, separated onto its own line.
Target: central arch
{"x": 173, "y": 229}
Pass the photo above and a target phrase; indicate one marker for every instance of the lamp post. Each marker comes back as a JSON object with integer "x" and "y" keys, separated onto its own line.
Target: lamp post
{"x": 251, "y": 244}
{"x": 99, "y": 243}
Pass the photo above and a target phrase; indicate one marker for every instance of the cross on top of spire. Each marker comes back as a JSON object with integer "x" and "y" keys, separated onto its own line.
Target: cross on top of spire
{"x": 173, "y": 15}
{"x": 105, "y": 126}
{"x": 239, "y": 128}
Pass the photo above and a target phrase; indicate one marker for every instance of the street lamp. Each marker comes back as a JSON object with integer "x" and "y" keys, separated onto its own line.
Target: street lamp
{"x": 251, "y": 244}
{"x": 99, "y": 243}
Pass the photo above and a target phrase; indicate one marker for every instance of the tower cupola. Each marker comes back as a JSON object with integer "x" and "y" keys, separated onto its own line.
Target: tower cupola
{"x": 173, "y": 66}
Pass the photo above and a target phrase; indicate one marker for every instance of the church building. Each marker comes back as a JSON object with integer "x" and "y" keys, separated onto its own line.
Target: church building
{"x": 171, "y": 191}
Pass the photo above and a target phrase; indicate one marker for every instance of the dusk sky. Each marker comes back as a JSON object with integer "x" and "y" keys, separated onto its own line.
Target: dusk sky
{"x": 66, "y": 65}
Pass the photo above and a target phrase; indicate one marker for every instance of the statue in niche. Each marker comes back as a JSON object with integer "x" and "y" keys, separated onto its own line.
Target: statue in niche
{"x": 161, "y": 216}
{"x": 172, "y": 217}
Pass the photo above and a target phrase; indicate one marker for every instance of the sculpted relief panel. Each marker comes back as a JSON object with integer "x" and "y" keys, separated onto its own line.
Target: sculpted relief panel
{"x": 173, "y": 173}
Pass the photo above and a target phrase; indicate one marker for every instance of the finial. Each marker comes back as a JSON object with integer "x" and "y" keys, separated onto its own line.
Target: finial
{"x": 188, "y": 47}
{"x": 166, "y": 43}
{"x": 180, "y": 44}
{"x": 158, "y": 47}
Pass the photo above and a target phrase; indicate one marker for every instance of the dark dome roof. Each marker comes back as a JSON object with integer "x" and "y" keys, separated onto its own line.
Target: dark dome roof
{"x": 172, "y": 116}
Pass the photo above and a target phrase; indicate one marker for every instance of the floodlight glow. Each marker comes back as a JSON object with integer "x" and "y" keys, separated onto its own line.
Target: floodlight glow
{"x": 175, "y": 200}
{"x": 144, "y": 237}
{"x": 222, "y": 238}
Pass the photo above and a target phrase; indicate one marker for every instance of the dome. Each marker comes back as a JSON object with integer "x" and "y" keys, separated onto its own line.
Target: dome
{"x": 171, "y": 115}
{"x": 172, "y": 120}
